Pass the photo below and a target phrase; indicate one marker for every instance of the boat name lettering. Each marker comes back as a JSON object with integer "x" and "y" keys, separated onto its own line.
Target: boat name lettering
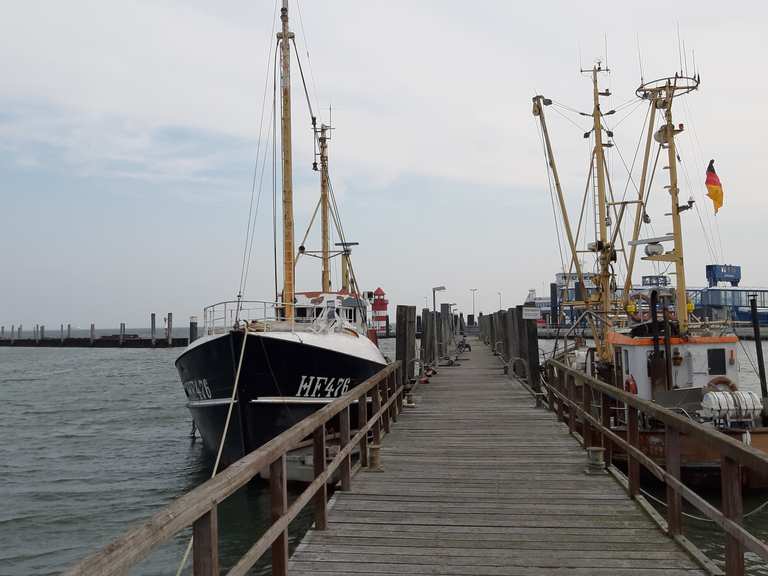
{"x": 198, "y": 389}
{"x": 322, "y": 387}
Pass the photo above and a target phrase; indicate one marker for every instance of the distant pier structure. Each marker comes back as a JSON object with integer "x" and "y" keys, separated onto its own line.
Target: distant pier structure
{"x": 17, "y": 337}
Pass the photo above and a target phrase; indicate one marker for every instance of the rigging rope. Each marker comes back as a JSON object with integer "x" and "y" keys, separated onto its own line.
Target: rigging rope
{"x": 223, "y": 434}
{"x": 251, "y": 217}
{"x": 551, "y": 195}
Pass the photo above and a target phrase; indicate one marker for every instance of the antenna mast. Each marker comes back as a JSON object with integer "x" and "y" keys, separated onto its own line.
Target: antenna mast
{"x": 289, "y": 267}
{"x": 324, "y": 207}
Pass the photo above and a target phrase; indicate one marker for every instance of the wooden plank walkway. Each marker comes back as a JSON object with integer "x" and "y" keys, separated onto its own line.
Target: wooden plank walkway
{"x": 477, "y": 480}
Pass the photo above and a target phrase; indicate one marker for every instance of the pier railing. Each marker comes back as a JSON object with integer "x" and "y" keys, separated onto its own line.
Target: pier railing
{"x": 198, "y": 508}
{"x": 589, "y": 403}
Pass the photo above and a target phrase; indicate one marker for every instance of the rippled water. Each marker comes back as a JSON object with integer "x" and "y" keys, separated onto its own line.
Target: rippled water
{"x": 92, "y": 441}
{"x": 95, "y": 440}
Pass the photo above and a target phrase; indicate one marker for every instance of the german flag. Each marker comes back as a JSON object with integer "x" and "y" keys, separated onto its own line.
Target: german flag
{"x": 714, "y": 188}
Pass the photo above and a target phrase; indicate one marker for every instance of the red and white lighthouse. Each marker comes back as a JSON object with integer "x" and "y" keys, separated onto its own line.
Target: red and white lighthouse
{"x": 379, "y": 308}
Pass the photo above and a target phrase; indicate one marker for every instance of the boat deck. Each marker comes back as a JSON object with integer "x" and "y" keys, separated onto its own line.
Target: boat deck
{"x": 476, "y": 480}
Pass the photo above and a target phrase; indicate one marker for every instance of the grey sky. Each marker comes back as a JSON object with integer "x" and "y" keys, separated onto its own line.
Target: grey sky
{"x": 128, "y": 135}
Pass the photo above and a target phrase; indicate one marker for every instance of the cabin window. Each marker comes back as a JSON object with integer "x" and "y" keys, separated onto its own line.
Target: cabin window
{"x": 716, "y": 361}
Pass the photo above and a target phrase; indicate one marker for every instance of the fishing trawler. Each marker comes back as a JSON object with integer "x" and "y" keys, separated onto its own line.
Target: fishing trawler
{"x": 648, "y": 342}
{"x": 262, "y": 366}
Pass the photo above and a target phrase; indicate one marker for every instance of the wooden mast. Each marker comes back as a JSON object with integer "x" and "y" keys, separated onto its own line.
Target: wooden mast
{"x": 603, "y": 248}
{"x": 325, "y": 213}
{"x": 287, "y": 167}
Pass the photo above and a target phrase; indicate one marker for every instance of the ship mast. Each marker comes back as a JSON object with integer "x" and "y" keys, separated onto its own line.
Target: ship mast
{"x": 325, "y": 208}
{"x": 661, "y": 94}
{"x": 287, "y": 167}
{"x": 603, "y": 246}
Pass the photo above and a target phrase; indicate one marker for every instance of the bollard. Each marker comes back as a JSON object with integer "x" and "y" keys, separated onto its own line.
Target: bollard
{"x": 192, "y": 329}
{"x": 409, "y": 403}
{"x": 595, "y": 461}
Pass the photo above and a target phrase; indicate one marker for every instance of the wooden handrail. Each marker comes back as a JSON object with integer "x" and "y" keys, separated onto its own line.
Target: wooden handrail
{"x": 198, "y": 506}
{"x": 561, "y": 390}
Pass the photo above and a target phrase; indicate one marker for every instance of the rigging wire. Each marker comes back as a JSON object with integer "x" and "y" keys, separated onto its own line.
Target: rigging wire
{"x": 274, "y": 179}
{"x": 256, "y": 212}
{"x": 309, "y": 60}
{"x": 251, "y": 224}
{"x": 251, "y": 216}
{"x": 710, "y": 216}
{"x": 551, "y": 195}
{"x": 692, "y": 192}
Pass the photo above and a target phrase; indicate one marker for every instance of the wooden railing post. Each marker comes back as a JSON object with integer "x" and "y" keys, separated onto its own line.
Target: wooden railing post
{"x": 279, "y": 503}
{"x": 400, "y": 390}
{"x": 730, "y": 482}
{"x": 550, "y": 384}
{"x": 561, "y": 383}
{"x": 376, "y": 406}
{"x": 605, "y": 420}
{"x": 672, "y": 459}
{"x": 586, "y": 404}
{"x": 205, "y": 547}
{"x": 384, "y": 387}
{"x": 633, "y": 437}
{"x": 321, "y": 497}
{"x": 571, "y": 383}
{"x": 362, "y": 420}
{"x": 346, "y": 464}
{"x": 391, "y": 391}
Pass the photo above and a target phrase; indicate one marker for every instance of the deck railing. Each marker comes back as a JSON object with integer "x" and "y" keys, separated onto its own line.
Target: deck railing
{"x": 198, "y": 507}
{"x": 592, "y": 409}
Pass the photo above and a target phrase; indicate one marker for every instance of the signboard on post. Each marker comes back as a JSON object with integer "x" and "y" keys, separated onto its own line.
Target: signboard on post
{"x": 531, "y": 313}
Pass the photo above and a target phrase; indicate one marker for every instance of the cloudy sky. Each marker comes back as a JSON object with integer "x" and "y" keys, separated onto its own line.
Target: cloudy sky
{"x": 129, "y": 132}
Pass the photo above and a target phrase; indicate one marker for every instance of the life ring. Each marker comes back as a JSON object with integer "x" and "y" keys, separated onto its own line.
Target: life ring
{"x": 720, "y": 384}
{"x": 630, "y": 385}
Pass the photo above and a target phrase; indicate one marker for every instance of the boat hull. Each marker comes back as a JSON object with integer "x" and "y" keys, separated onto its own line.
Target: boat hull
{"x": 284, "y": 377}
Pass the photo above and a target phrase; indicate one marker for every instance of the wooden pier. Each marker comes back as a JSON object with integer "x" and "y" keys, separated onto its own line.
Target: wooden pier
{"x": 476, "y": 480}
{"x": 485, "y": 473}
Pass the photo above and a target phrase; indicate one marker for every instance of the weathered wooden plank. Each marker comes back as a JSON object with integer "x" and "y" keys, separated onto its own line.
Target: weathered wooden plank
{"x": 479, "y": 481}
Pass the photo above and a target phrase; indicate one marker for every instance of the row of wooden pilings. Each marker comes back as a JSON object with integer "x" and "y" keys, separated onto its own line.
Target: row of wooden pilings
{"x": 440, "y": 334}
{"x": 16, "y": 337}
{"x": 515, "y": 340}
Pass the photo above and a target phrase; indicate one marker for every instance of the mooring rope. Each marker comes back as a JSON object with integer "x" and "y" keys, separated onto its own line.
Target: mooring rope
{"x": 701, "y": 518}
{"x": 223, "y": 435}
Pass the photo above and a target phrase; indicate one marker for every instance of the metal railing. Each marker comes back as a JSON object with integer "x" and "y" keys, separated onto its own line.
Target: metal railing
{"x": 561, "y": 387}
{"x": 264, "y": 315}
{"x": 198, "y": 507}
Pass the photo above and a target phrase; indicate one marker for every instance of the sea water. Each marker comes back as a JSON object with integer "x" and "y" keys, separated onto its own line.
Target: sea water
{"x": 93, "y": 441}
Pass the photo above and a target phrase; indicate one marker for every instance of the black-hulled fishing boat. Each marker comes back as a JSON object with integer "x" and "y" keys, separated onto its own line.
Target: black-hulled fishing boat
{"x": 263, "y": 366}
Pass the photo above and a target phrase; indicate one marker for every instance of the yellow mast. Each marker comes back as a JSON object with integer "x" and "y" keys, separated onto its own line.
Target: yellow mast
{"x": 285, "y": 88}
{"x": 325, "y": 208}
{"x": 345, "y": 268}
{"x": 604, "y": 248}
{"x": 538, "y": 111}
{"x": 662, "y": 97}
